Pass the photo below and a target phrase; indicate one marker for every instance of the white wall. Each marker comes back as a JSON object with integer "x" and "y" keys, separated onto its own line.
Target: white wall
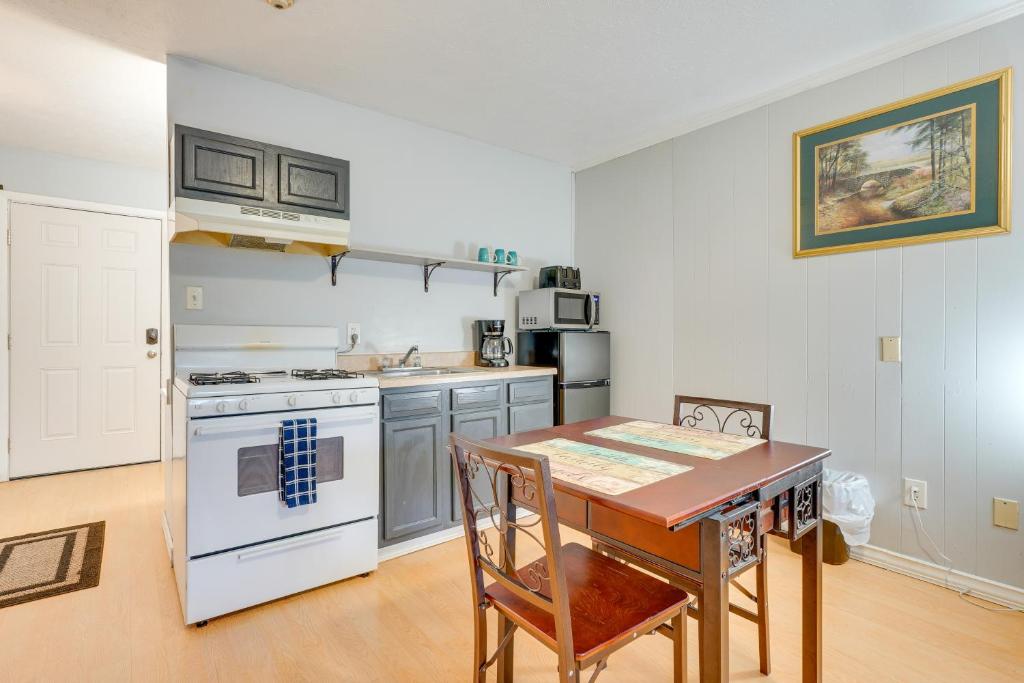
{"x": 33, "y": 171}
{"x": 413, "y": 188}
{"x": 752, "y": 322}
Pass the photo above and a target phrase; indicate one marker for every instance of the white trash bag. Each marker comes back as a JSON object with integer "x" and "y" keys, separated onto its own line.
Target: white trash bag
{"x": 848, "y": 503}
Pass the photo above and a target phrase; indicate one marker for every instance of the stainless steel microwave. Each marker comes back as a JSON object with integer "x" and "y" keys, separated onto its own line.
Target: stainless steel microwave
{"x": 553, "y": 308}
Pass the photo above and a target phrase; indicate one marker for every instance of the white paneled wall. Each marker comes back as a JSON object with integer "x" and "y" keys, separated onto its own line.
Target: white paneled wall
{"x": 752, "y": 322}
{"x": 627, "y": 206}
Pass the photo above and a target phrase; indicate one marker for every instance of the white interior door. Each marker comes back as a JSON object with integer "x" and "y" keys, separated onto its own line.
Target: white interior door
{"x": 85, "y": 384}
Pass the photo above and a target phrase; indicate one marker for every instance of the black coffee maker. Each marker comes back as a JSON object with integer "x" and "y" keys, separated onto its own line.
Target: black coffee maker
{"x": 492, "y": 346}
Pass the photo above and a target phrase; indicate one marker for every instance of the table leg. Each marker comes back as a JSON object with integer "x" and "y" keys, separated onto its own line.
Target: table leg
{"x": 810, "y": 545}
{"x": 714, "y": 602}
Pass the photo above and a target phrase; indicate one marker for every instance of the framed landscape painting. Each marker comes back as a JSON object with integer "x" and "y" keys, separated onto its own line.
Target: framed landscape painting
{"x": 931, "y": 167}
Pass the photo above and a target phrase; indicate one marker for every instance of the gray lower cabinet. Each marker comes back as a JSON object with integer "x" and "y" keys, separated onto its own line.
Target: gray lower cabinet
{"x": 419, "y": 495}
{"x": 479, "y": 424}
{"x": 412, "y": 477}
{"x": 530, "y": 416}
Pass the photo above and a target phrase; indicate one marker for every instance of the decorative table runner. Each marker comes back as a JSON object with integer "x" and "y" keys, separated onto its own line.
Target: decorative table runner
{"x": 685, "y": 440}
{"x": 602, "y": 469}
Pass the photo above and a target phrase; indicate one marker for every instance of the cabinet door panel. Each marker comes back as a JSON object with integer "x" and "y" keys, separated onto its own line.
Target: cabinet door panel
{"x": 531, "y": 416}
{"x": 483, "y": 424}
{"x": 412, "y": 476}
{"x": 313, "y": 183}
{"x": 221, "y": 165}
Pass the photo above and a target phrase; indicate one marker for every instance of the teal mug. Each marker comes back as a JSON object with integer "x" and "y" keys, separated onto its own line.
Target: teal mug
{"x": 512, "y": 258}
{"x": 499, "y": 255}
{"x": 484, "y": 255}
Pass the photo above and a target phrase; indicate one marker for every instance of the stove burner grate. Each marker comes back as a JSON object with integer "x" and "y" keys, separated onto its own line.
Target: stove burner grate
{"x": 325, "y": 374}
{"x": 211, "y": 378}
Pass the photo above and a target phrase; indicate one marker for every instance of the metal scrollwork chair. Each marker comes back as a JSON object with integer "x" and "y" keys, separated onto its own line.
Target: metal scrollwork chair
{"x": 580, "y": 604}
{"x": 746, "y": 419}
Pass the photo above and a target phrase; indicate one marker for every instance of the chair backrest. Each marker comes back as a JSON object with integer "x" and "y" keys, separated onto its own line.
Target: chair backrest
{"x": 723, "y": 415}
{"x": 492, "y": 544}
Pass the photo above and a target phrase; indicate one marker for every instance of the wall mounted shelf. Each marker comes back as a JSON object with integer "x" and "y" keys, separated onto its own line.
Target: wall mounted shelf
{"x": 428, "y": 262}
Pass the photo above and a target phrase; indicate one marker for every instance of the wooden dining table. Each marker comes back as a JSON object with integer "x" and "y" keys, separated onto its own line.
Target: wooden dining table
{"x": 702, "y": 527}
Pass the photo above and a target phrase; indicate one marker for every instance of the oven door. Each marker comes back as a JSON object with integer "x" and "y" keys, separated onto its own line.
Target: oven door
{"x": 232, "y": 477}
{"x": 574, "y": 310}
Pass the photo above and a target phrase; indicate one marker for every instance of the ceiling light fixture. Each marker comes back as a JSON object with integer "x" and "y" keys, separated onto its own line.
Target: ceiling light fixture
{"x": 280, "y": 4}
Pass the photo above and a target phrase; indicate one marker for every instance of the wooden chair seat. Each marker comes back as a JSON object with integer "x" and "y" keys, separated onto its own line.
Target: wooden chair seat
{"x": 608, "y": 602}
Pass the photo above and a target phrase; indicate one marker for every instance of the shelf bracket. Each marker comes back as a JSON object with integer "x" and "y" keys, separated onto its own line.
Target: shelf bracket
{"x": 428, "y": 270}
{"x": 499, "y": 275}
{"x": 335, "y": 262}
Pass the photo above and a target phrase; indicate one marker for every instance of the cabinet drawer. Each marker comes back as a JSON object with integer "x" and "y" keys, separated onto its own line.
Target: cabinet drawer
{"x": 532, "y": 390}
{"x": 530, "y": 416}
{"x": 476, "y": 397}
{"x": 221, "y": 164}
{"x": 411, "y": 404}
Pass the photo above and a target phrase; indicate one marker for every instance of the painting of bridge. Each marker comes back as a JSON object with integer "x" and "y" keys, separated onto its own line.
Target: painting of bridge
{"x": 916, "y": 170}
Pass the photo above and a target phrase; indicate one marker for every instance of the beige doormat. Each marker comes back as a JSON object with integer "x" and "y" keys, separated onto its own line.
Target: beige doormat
{"x": 39, "y": 565}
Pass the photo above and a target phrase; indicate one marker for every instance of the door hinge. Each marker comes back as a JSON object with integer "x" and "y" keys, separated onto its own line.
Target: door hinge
{"x": 8, "y": 341}
{"x": 8, "y": 238}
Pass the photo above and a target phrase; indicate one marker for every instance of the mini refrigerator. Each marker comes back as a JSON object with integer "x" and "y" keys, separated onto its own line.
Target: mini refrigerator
{"x": 583, "y": 360}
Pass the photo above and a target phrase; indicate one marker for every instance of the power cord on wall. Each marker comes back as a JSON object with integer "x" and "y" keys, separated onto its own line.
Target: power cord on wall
{"x": 353, "y": 340}
{"x": 963, "y": 593}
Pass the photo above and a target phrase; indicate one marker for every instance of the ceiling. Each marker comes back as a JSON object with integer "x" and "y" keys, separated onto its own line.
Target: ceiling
{"x": 574, "y": 81}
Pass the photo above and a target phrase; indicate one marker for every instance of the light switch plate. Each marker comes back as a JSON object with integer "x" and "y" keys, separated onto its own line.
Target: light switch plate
{"x": 194, "y": 298}
{"x": 1006, "y": 513}
{"x": 891, "y": 350}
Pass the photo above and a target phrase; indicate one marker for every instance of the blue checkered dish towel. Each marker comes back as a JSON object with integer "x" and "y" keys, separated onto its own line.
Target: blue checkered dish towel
{"x": 297, "y": 449}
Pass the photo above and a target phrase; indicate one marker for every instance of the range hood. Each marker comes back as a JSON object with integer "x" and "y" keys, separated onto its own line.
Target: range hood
{"x": 214, "y": 223}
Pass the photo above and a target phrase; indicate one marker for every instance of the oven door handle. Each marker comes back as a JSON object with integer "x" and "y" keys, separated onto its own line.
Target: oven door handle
{"x": 204, "y": 430}
{"x": 288, "y": 543}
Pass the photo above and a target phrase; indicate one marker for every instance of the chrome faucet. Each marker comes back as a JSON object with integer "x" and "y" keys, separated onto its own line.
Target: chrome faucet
{"x": 405, "y": 359}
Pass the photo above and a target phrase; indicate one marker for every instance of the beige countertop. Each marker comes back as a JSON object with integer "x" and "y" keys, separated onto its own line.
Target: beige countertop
{"x": 478, "y": 375}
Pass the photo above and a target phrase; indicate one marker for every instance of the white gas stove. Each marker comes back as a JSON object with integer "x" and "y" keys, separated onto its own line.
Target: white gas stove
{"x": 235, "y": 544}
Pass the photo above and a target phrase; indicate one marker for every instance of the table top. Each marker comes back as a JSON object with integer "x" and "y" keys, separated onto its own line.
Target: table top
{"x": 681, "y": 497}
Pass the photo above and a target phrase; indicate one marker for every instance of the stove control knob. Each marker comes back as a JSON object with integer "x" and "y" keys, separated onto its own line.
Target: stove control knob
{"x": 354, "y": 397}
{"x": 243, "y": 404}
{"x": 221, "y": 406}
{"x": 292, "y": 401}
{"x": 336, "y": 397}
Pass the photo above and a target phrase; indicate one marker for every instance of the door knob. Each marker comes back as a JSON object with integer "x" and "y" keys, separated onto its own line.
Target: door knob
{"x": 150, "y": 354}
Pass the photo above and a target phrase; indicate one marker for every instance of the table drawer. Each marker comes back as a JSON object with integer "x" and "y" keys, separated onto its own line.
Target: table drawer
{"x": 531, "y": 390}
{"x": 411, "y": 404}
{"x": 488, "y": 396}
{"x": 571, "y": 510}
{"x": 681, "y": 547}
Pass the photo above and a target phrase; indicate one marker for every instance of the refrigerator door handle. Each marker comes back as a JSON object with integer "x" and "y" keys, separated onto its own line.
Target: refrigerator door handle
{"x": 586, "y": 385}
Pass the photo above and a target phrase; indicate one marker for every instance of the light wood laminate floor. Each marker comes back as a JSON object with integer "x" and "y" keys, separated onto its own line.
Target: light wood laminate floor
{"x": 410, "y": 621}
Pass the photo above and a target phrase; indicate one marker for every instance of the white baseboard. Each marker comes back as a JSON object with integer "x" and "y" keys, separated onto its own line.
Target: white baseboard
{"x": 986, "y": 589}
{"x": 406, "y": 547}
{"x": 167, "y": 537}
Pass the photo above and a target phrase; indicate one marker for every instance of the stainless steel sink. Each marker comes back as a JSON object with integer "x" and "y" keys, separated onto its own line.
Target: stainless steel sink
{"x": 420, "y": 372}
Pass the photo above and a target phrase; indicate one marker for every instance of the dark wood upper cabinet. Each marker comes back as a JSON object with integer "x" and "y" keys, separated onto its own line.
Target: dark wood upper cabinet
{"x": 219, "y": 164}
{"x": 224, "y": 168}
{"x": 312, "y": 183}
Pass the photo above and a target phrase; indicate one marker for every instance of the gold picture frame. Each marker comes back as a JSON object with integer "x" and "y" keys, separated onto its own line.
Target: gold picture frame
{"x": 987, "y": 98}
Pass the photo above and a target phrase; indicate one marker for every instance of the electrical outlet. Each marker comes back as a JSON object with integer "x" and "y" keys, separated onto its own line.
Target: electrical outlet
{"x": 194, "y": 298}
{"x": 354, "y": 329}
{"x": 915, "y": 490}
